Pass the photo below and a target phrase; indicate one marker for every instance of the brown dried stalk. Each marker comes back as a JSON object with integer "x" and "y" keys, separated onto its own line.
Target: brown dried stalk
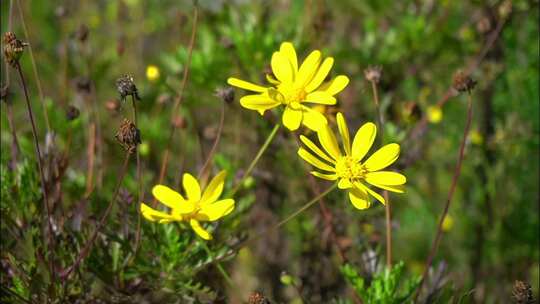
{"x": 88, "y": 246}
{"x": 457, "y": 172}
{"x": 178, "y": 99}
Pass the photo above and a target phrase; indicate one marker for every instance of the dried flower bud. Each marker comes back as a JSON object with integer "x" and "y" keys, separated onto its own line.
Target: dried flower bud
{"x": 126, "y": 86}
{"x": 179, "y": 122}
{"x": 373, "y": 74}
{"x": 83, "y": 84}
{"x": 226, "y": 94}
{"x": 82, "y": 33}
{"x": 257, "y": 298}
{"x": 112, "y": 105}
{"x": 463, "y": 82}
{"x": 128, "y": 136}
{"x": 13, "y": 48}
{"x": 72, "y": 113}
{"x": 522, "y": 293}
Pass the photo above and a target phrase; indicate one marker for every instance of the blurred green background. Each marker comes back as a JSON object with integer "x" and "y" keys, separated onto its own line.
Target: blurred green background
{"x": 81, "y": 47}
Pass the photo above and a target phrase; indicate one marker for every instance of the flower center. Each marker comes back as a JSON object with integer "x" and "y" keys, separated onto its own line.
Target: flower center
{"x": 291, "y": 94}
{"x": 350, "y": 168}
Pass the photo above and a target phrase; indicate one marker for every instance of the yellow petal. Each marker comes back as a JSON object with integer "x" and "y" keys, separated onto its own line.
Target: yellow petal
{"x": 313, "y": 120}
{"x": 396, "y": 189}
{"x": 292, "y": 118}
{"x": 154, "y": 215}
{"x": 192, "y": 187}
{"x": 215, "y": 211}
{"x": 281, "y": 67}
{"x": 235, "y": 82}
{"x": 388, "y": 178}
{"x": 329, "y": 177}
{"x": 167, "y": 196}
{"x": 287, "y": 49}
{"x": 258, "y": 102}
{"x": 321, "y": 74}
{"x": 214, "y": 188}
{"x": 363, "y": 140}
{"x": 376, "y": 195}
{"x": 359, "y": 198}
{"x": 320, "y": 97}
{"x": 311, "y": 145}
{"x": 329, "y": 142}
{"x": 344, "y": 131}
{"x": 272, "y": 80}
{"x": 344, "y": 183}
{"x": 196, "y": 226}
{"x": 382, "y": 158}
{"x": 335, "y": 85}
{"x": 308, "y": 69}
{"x": 314, "y": 161}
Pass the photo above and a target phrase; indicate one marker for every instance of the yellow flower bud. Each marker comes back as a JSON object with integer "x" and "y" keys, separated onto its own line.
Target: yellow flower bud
{"x": 152, "y": 72}
{"x": 434, "y": 114}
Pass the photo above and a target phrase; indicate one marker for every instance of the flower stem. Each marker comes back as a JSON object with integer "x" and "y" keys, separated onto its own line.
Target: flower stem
{"x": 140, "y": 193}
{"x": 219, "y": 267}
{"x": 388, "y": 210}
{"x": 457, "y": 172}
{"x": 256, "y": 159}
{"x": 42, "y": 175}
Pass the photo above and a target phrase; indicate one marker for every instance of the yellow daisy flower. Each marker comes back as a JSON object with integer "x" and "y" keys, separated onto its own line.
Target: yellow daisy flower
{"x": 199, "y": 206}
{"x": 348, "y": 167}
{"x": 293, "y": 87}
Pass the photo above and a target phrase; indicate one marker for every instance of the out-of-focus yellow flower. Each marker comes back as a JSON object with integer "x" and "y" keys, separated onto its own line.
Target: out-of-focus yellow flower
{"x": 198, "y": 207}
{"x": 434, "y": 114}
{"x": 476, "y": 137}
{"x": 152, "y": 73}
{"x": 294, "y": 86}
{"x": 447, "y": 223}
{"x": 348, "y": 167}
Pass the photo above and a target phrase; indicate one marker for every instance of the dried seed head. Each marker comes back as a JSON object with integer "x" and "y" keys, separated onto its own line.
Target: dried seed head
{"x": 82, "y": 33}
{"x": 72, "y": 113}
{"x": 13, "y": 48}
{"x": 126, "y": 86}
{"x": 463, "y": 82}
{"x": 179, "y": 122}
{"x": 128, "y": 136}
{"x": 522, "y": 293}
{"x": 83, "y": 84}
{"x": 373, "y": 74}
{"x": 226, "y": 94}
{"x": 257, "y": 298}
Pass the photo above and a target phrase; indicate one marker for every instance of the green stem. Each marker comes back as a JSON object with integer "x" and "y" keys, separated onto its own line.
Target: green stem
{"x": 218, "y": 265}
{"x": 256, "y": 159}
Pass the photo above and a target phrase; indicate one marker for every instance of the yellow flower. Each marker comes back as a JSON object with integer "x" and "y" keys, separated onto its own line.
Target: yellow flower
{"x": 447, "y": 223}
{"x": 152, "y": 72}
{"x": 293, "y": 87}
{"x": 195, "y": 208}
{"x": 476, "y": 137}
{"x": 434, "y": 114}
{"x": 348, "y": 167}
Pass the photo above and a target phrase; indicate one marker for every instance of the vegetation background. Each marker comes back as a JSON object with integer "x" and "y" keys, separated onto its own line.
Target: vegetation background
{"x": 80, "y": 48}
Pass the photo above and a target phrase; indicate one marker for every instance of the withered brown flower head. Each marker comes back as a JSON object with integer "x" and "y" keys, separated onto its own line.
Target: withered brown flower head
{"x": 463, "y": 82}
{"x": 13, "y": 48}
{"x": 72, "y": 113}
{"x": 257, "y": 298}
{"x": 522, "y": 293}
{"x": 128, "y": 136}
{"x": 226, "y": 94}
{"x": 373, "y": 73}
{"x": 126, "y": 87}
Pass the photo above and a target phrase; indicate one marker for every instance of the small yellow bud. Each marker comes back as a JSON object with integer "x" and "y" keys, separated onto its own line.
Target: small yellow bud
{"x": 152, "y": 73}
{"x": 434, "y": 114}
{"x": 447, "y": 223}
{"x": 476, "y": 137}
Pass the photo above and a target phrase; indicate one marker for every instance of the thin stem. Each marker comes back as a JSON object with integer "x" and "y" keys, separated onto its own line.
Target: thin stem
{"x": 256, "y": 159}
{"x": 220, "y": 268}
{"x": 139, "y": 180}
{"x": 275, "y": 227}
{"x": 14, "y": 141}
{"x": 457, "y": 172}
{"x": 178, "y": 99}
{"x": 210, "y": 156}
{"x": 34, "y": 68}
{"x": 42, "y": 175}
{"x": 88, "y": 246}
{"x": 387, "y": 209}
